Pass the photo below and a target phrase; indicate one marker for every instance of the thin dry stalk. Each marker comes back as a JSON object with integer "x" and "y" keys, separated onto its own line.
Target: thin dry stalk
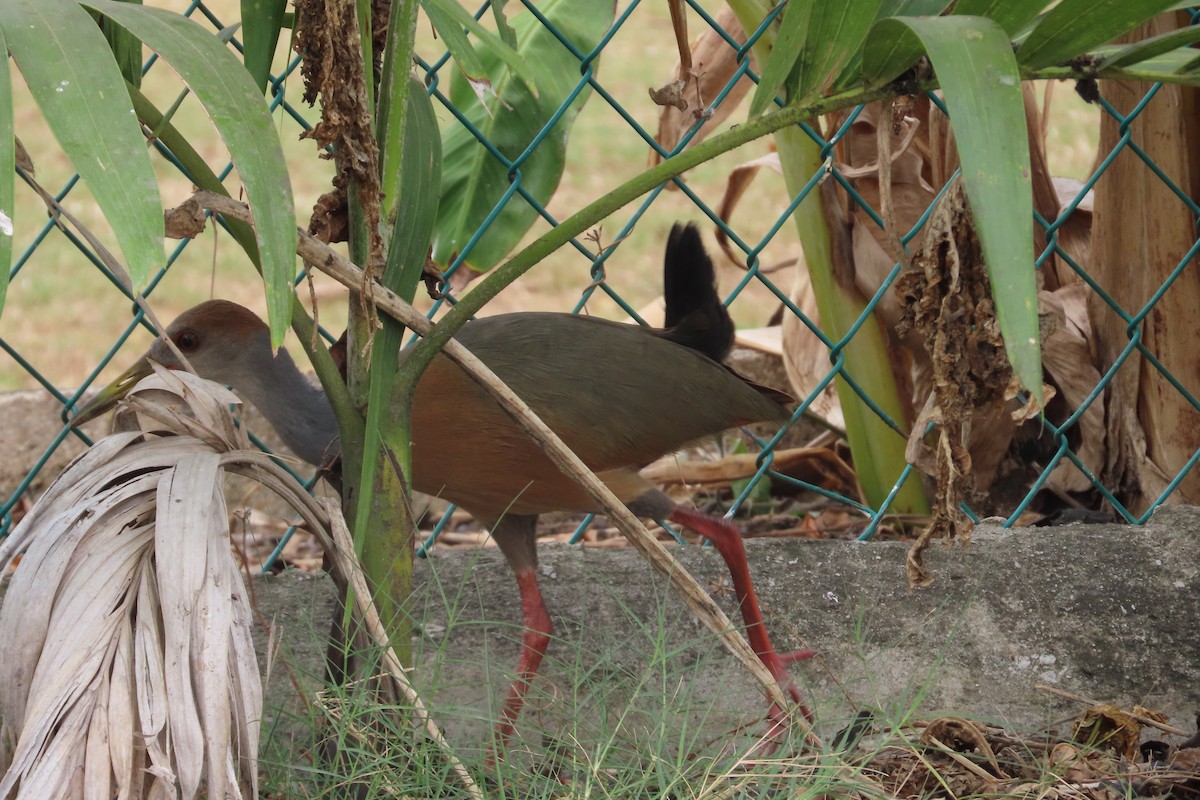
{"x": 344, "y": 544}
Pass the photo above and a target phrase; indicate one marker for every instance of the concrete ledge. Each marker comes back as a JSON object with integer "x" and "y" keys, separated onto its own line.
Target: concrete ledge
{"x": 1110, "y": 612}
{"x": 30, "y": 421}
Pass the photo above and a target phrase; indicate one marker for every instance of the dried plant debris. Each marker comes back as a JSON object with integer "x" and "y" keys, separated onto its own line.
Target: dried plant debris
{"x": 702, "y": 74}
{"x": 330, "y": 220}
{"x": 129, "y": 668}
{"x": 327, "y": 37}
{"x": 1100, "y": 760}
{"x": 1067, "y": 345}
{"x": 947, "y": 301}
{"x": 946, "y": 758}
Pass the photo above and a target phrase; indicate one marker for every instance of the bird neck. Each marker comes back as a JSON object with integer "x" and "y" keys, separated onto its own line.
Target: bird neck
{"x": 296, "y": 408}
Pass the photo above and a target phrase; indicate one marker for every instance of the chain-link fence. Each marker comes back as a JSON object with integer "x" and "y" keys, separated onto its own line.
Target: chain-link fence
{"x": 1065, "y": 454}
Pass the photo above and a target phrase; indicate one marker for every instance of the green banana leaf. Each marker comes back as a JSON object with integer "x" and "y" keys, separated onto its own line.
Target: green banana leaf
{"x": 473, "y": 181}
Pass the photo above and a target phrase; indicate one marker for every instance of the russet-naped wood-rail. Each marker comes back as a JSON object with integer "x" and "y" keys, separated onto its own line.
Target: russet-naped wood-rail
{"x": 619, "y": 395}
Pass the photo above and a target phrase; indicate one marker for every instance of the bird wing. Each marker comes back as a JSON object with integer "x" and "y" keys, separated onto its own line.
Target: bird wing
{"x": 617, "y": 394}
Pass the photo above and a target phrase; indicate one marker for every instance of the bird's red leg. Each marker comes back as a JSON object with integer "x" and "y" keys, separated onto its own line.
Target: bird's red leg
{"x": 516, "y": 536}
{"x": 727, "y": 539}
{"x": 534, "y": 640}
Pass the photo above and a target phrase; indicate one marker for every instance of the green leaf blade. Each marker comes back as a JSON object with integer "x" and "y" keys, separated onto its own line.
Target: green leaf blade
{"x": 450, "y": 18}
{"x": 892, "y": 47}
{"x": 413, "y": 213}
{"x": 974, "y": 62}
{"x": 852, "y": 74}
{"x": 238, "y": 112}
{"x": 450, "y": 29}
{"x": 912, "y": 8}
{"x": 262, "y": 21}
{"x": 70, "y": 71}
{"x": 793, "y": 33}
{"x": 1176, "y": 66}
{"x": 1153, "y": 47}
{"x": 126, "y": 49}
{"x": 1074, "y": 26}
{"x": 1010, "y": 15}
{"x": 506, "y": 32}
{"x": 835, "y": 36}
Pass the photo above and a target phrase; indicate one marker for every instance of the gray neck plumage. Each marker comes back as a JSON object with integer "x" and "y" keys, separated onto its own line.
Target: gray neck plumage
{"x": 305, "y": 422}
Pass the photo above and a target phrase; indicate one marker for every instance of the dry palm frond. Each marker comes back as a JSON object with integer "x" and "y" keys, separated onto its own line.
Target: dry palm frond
{"x": 694, "y": 86}
{"x": 129, "y": 668}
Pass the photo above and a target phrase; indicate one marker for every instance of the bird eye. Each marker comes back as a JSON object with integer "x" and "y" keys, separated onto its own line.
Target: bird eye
{"x": 188, "y": 340}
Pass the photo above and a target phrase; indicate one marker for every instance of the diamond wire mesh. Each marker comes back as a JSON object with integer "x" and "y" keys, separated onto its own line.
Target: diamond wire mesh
{"x": 596, "y": 260}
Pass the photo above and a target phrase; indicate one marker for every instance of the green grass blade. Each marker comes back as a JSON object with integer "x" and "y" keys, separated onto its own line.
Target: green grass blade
{"x": 793, "y": 33}
{"x": 974, "y": 62}
{"x": 261, "y": 22}
{"x": 239, "y": 114}
{"x": 1074, "y": 26}
{"x": 1011, "y": 15}
{"x": 72, "y": 76}
{"x": 7, "y": 173}
{"x": 473, "y": 182}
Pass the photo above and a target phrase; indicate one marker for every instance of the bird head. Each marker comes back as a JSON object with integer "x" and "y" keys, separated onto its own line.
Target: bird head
{"x": 221, "y": 340}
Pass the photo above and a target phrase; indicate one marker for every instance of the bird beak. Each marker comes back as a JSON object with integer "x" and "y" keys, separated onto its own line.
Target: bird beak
{"x": 110, "y": 395}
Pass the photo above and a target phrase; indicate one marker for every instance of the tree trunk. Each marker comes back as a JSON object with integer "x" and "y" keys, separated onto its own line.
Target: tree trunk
{"x": 1141, "y": 232}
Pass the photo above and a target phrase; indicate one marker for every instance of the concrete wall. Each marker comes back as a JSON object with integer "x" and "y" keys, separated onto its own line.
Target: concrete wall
{"x": 1109, "y": 612}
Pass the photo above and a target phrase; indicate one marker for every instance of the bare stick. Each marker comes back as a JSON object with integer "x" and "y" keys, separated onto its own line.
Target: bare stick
{"x": 374, "y": 625}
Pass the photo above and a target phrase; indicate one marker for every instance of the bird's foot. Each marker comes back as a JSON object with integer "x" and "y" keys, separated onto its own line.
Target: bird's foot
{"x": 776, "y": 665}
{"x": 785, "y": 680}
{"x": 727, "y": 540}
{"x": 803, "y": 654}
{"x": 779, "y": 718}
{"x": 777, "y": 725}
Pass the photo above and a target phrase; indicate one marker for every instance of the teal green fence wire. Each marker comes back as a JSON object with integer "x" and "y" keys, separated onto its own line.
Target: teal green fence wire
{"x": 1056, "y": 447}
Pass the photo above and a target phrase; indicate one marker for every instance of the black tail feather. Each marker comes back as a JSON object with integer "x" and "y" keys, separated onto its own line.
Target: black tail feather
{"x": 695, "y": 317}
